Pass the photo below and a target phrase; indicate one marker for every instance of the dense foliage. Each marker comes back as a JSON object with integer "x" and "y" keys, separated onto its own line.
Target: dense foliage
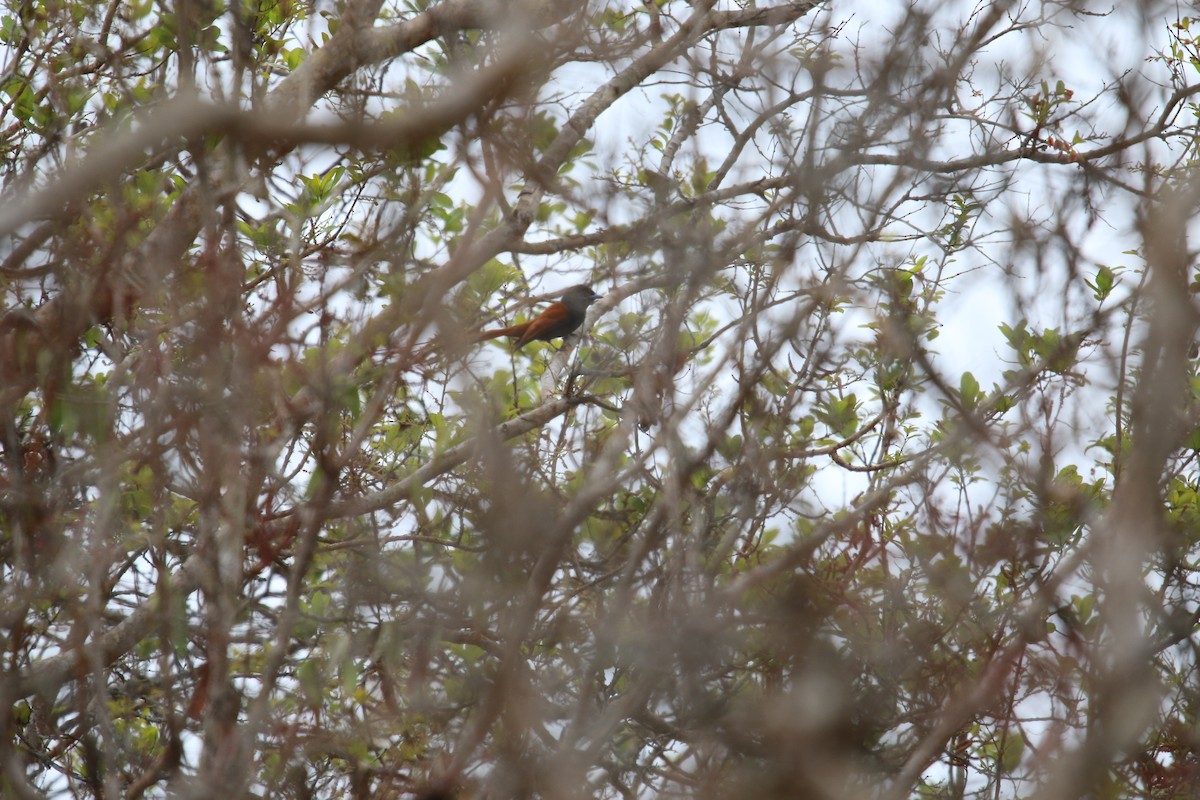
{"x": 874, "y": 473}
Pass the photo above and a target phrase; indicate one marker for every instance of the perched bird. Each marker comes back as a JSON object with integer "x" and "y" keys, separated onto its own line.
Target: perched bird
{"x": 560, "y": 319}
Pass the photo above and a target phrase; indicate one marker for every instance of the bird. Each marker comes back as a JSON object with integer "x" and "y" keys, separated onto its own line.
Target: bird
{"x": 560, "y": 319}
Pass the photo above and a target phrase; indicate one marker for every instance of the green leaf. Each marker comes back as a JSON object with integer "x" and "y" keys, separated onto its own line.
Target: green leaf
{"x": 968, "y": 391}
{"x": 1012, "y": 748}
{"x": 840, "y": 415}
{"x": 312, "y": 681}
{"x": 1103, "y": 284}
{"x": 730, "y": 447}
